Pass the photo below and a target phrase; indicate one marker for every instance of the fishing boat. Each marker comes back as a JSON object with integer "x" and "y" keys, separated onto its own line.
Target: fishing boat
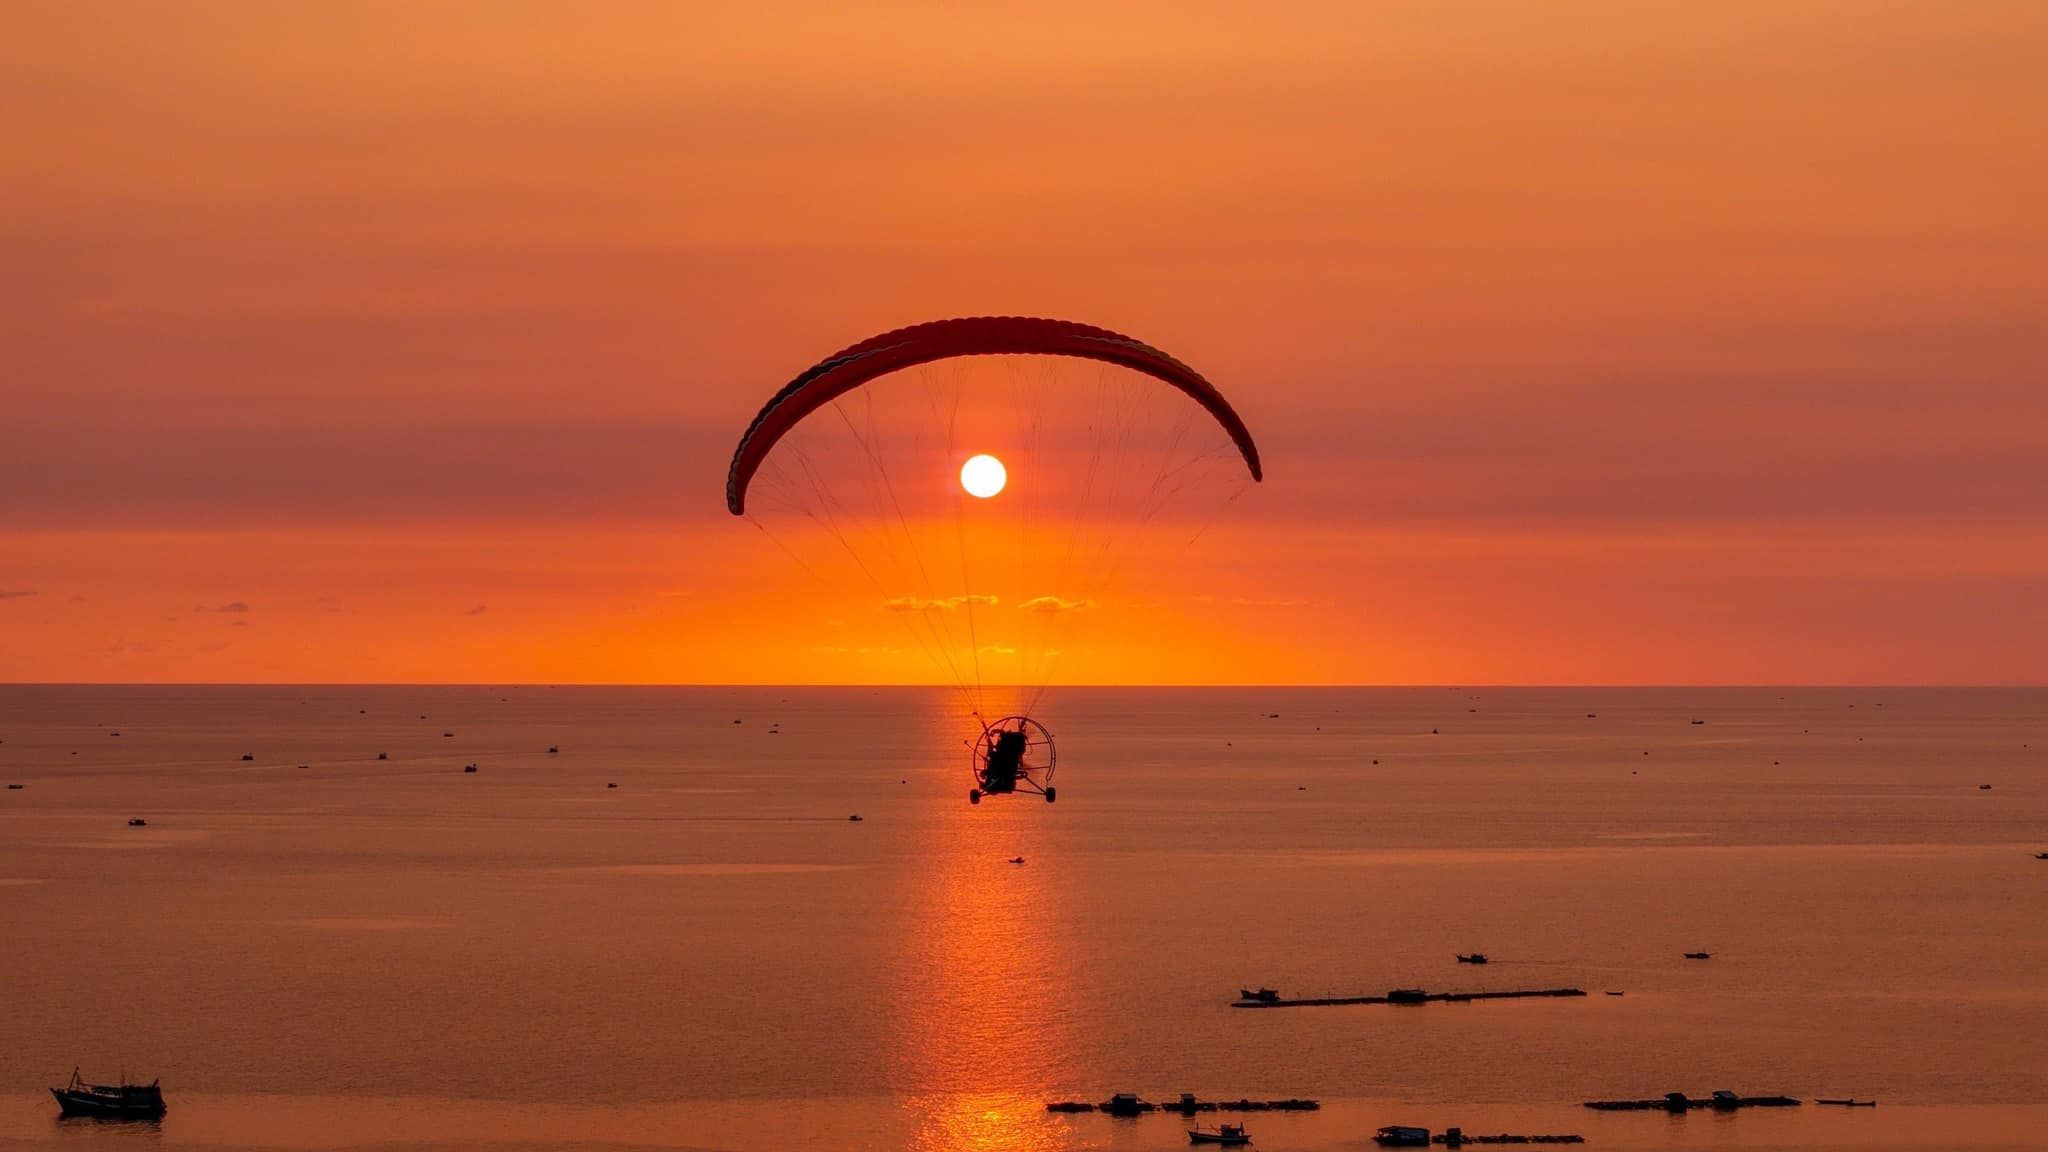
{"x": 1473, "y": 958}
{"x": 1401, "y": 1136}
{"x": 1262, "y": 996}
{"x": 1227, "y": 1135}
{"x": 110, "y": 1101}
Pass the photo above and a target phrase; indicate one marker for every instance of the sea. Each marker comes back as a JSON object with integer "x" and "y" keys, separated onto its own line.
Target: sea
{"x": 648, "y": 918}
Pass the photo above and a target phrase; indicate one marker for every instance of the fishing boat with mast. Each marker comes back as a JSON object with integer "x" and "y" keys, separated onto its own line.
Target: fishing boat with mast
{"x": 122, "y": 1101}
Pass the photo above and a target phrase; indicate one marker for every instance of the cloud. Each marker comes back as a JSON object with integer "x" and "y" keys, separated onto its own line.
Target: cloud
{"x": 1283, "y": 603}
{"x": 1055, "y": 604}
{"x": 16, "y": 593}
{"x": 943, "y": 604}
{"x": 478, "y": 610}
{"x": 234, "y": 607}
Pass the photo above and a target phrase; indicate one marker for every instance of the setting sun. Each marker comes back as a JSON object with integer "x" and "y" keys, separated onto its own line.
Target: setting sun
{"x": 983, "y": 476}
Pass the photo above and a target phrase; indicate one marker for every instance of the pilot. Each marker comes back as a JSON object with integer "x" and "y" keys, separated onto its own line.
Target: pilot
{"x": 1005, "y": 761}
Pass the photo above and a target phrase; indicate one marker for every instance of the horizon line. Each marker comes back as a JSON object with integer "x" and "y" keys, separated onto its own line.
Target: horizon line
{"x": 1282, "y": 685}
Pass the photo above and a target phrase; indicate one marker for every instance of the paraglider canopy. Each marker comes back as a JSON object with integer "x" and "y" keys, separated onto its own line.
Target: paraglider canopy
{"x": 851, "y": 367}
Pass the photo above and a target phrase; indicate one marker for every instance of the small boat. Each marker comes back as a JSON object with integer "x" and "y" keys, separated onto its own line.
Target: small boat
{"x": 19, "y": 787}
{"x": 1016, "y": 859}
{"x": 2037, "y": 855}
{"x": 611, "y": 785}
{"x": 1699, "y": 955}
{"x": 245, "y": 755}
{"x": 1474, "y": 958}
{"x": 1614, "y": 993}
{"x": 552, "y": 749}
{"x": 1262, "y": 996}
{"x": 383, "y": 755}
{"x": 1401, "y": 1136}
{"x": 853, "y": 819}
{"x": 1848, "y": 1103}
{"x": 1407, "y": 996}
{"x": 1226, "y": 1135}
{"x": 110, "y": 1101}
{"x": 1292, "y": 1104}
{"x": 1069, "y": 1106}
{"x": 138, "y": 822}
{"x": 469, "y": 767}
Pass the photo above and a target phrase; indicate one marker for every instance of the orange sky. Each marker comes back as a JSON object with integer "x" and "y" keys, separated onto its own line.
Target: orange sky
{"x": 1586, "y": 342}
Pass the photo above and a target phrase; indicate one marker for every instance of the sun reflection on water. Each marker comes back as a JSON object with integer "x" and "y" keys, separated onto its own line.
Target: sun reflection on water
{"x": 984, "y": 1014}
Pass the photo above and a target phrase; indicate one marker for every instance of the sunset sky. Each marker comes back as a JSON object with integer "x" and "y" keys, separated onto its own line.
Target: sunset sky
{"x": 1585, "y": 342}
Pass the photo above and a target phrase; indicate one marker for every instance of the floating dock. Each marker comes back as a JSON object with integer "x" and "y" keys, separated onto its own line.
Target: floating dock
{"x": 1455, "y": 1139}
{"x": 1406, "y": 996}
{"x": 1186, "y": 1105}
{"x": 1680, "y": 1102}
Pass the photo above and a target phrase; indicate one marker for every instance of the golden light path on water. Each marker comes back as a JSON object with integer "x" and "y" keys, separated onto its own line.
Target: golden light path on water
{"x": 985, "y": 1017}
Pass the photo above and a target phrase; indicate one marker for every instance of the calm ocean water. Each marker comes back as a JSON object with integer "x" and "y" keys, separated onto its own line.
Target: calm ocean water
{"x": 318, "y": 949}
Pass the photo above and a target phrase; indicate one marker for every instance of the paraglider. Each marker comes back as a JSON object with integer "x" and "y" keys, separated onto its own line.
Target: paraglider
{"x": 867, "y": 455}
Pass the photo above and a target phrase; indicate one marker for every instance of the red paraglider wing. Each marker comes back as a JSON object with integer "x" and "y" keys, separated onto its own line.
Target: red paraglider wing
{"x": 850, "y": 368}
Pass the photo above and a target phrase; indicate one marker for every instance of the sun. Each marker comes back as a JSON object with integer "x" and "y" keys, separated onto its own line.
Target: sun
{"x": 983, "y": 476}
